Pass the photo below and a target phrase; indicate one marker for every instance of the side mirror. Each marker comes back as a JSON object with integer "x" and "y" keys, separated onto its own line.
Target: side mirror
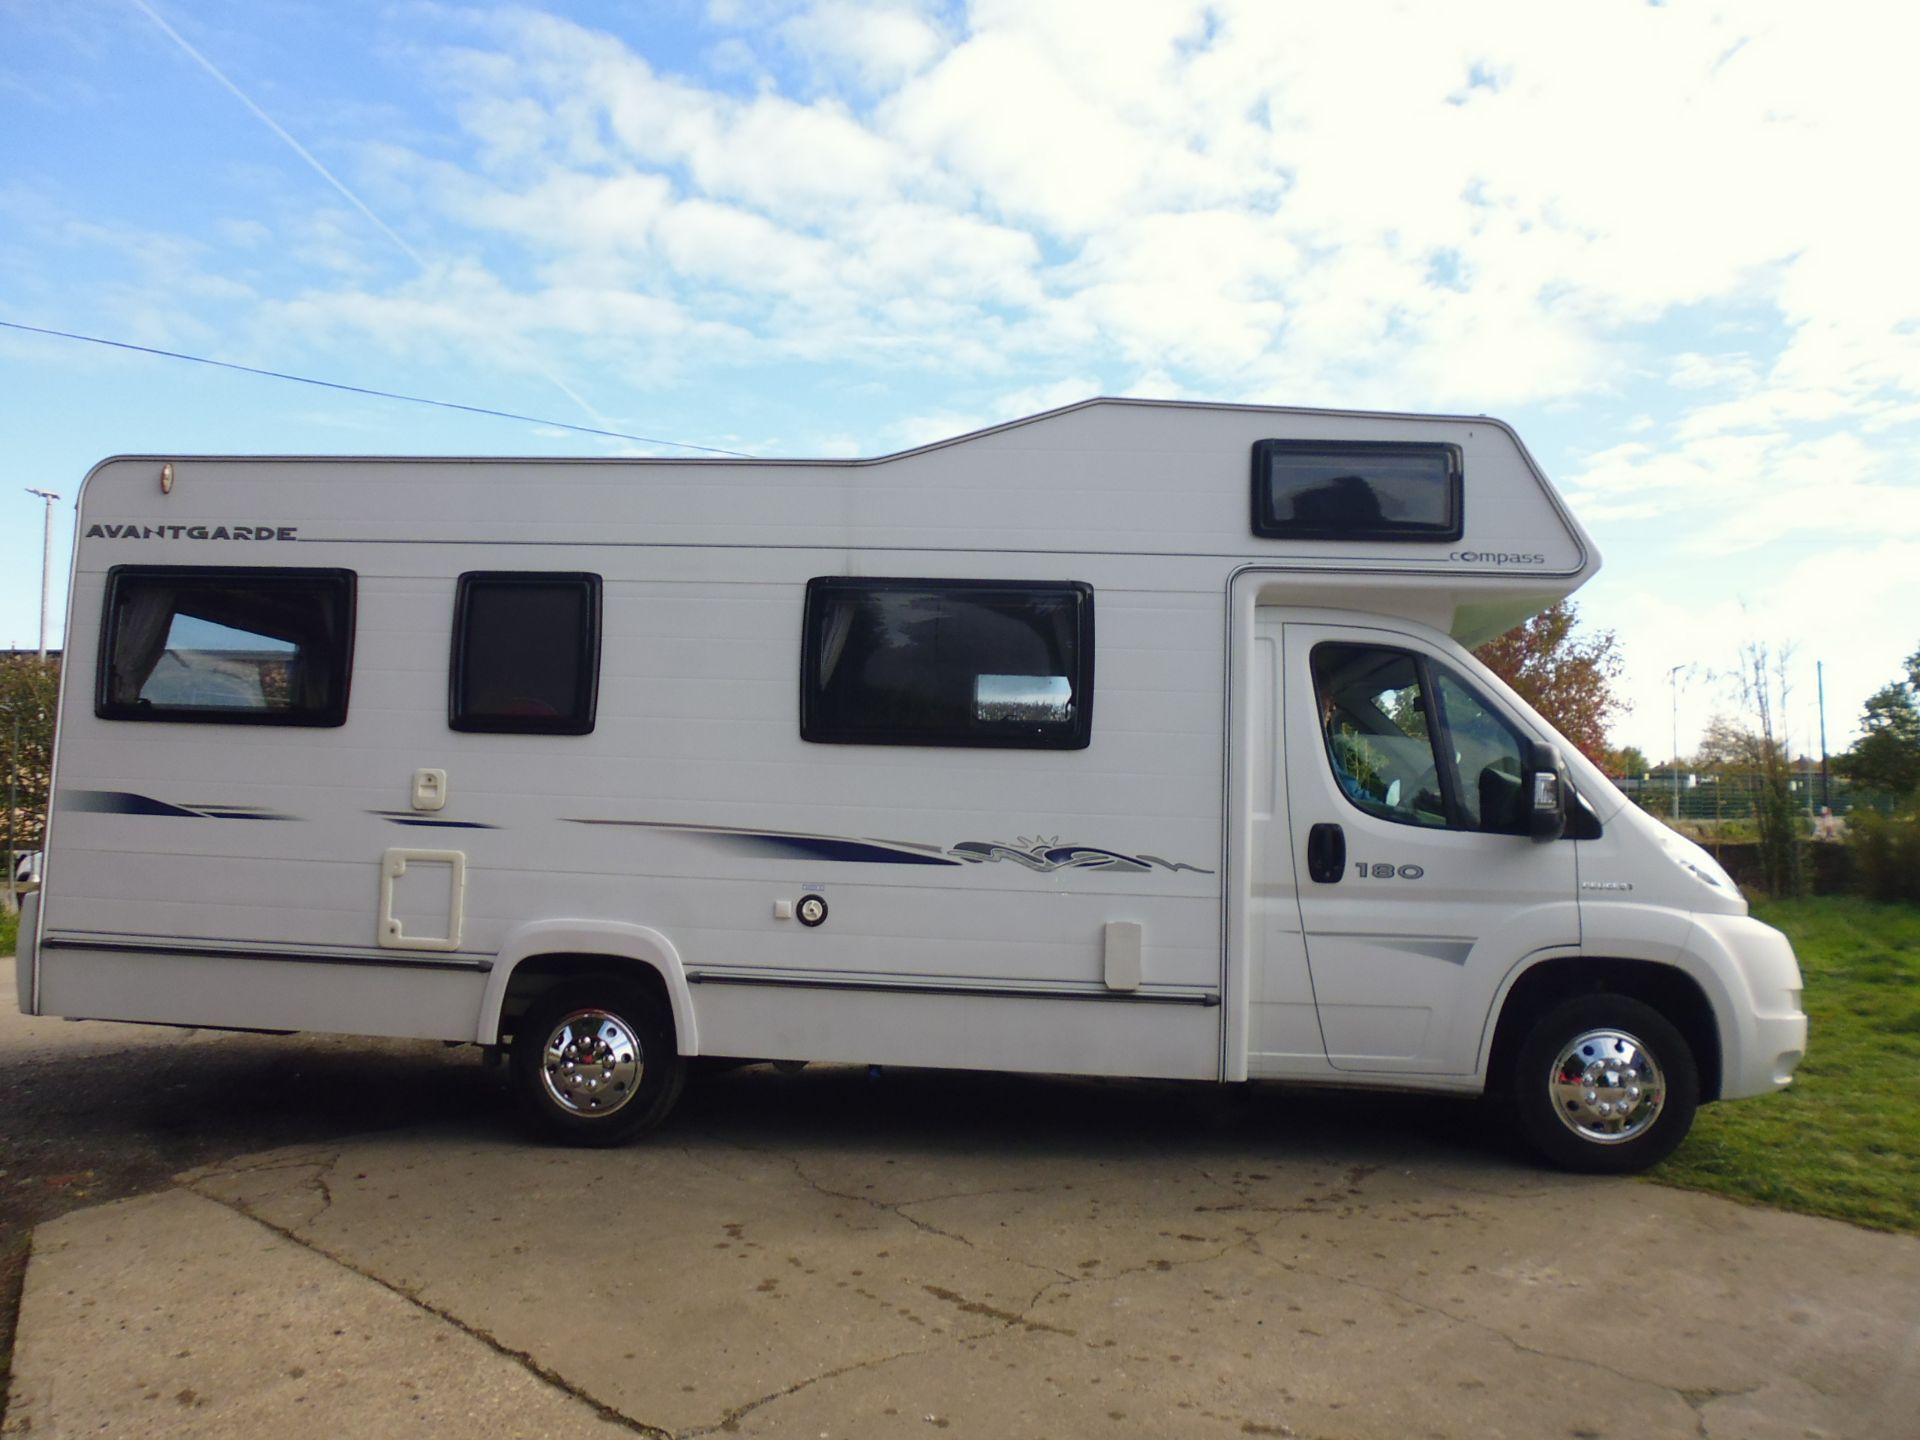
{"x": 1546, "y": 791}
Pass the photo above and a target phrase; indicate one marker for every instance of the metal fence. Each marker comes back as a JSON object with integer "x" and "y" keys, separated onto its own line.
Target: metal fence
{"x": 1706, "y": 795}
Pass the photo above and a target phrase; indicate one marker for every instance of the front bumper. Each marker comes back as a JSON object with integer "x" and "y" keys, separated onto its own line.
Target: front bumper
{"x": 1763, "y": 1030}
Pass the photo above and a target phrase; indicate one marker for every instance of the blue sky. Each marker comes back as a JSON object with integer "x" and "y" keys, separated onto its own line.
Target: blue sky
{"x": 1671, "y": 244}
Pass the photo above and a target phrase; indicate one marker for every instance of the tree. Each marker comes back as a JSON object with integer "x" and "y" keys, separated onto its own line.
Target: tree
{"x": 1887, "y": 754}
{"x": 1628, "y": 760}
{"x": 1763, "y": 689}
{"x": 1566, "y": 676}
{"x": 28, "y": 686}
{"x": 1730, "y": 748}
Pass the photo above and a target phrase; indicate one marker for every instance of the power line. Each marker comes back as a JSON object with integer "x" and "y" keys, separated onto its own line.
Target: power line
{"x": 364, "y": 390}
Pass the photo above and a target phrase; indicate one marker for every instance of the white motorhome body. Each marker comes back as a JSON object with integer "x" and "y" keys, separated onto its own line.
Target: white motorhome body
{"x": 1103, "y": 742}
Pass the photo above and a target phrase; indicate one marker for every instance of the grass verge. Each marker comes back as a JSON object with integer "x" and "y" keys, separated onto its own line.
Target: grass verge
{"x": 9, "y": 930}
{"x": 1844, "y": 1141}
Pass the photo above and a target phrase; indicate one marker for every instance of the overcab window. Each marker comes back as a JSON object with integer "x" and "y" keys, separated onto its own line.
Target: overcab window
{"x": 1356, "y": 490}
{"x": 948, "y": 662}
{"x": 226, "y": 646}
{"x": 526, "y": 652}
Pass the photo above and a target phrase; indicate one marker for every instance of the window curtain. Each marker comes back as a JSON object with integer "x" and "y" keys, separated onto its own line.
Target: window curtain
{"x": 143, "y": 618}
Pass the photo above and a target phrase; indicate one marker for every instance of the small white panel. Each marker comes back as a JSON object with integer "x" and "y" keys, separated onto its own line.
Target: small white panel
{"x": 1123, "y": 944}
{"x": 783, "y": 909}
{"x": 394, "y": 866}
{"x": 429, "y": 789}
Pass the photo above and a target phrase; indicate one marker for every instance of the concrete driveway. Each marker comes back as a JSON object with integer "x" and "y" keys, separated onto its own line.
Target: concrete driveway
{"x": 832, "y": 1255}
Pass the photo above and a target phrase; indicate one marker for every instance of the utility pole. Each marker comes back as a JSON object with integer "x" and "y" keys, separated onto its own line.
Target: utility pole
{"x": 46, "y": 565}
{"x": 13, "y": 768}
{"x": 1826, "y": 772}
{"x": 1673, "y": 679}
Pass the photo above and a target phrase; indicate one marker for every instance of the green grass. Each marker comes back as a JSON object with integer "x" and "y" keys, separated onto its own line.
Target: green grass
{"x": 1844, "y": 1141}
{"x": 9, "y": 928}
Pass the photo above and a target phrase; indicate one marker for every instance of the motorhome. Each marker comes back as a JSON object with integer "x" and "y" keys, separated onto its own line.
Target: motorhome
{"x": 1130, "y": 739}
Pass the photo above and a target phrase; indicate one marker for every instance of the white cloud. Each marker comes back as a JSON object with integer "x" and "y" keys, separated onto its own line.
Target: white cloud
{"x": 875, "y": 46}
{"x": 1683, "y": 222}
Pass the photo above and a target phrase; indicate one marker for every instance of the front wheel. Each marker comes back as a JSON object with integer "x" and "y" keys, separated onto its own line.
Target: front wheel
{"x": 594, "y": 1062}
{"x": 1605, "y": 1085}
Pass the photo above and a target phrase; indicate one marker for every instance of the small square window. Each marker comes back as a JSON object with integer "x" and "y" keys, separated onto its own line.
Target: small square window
{"x": 997, "y": 663}
{"x": 526, "y": 653}
{"x": 1356, "y": 490}
{"x": 226, "y": 645}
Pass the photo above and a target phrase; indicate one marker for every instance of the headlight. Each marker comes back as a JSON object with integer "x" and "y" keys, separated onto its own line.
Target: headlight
{"x": 1706, "y": 870}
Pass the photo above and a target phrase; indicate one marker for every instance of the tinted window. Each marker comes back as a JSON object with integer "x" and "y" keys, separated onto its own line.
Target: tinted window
{"x": 236, "y": 646}
{"x": 1356, "y": 490}
{"x": 944, "y": 662}
{"x": 1487, "y": 759}
{"x": 526, "y": 653}
{"x": 1397, "y": 754}
{"x": 1373, "y": 709}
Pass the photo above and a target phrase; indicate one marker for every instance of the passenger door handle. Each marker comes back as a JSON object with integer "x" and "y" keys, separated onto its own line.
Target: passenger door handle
{"x": 1326, "y": 853}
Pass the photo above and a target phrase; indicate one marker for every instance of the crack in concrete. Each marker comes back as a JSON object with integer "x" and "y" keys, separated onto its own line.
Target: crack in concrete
{"x": 730, "y": 1420}
{"x": 1517, "y": 1345}
{"x": 1701, "y": 1398}
{"x": 545, "y": 1374}
{"x": 899, "y": 1208}
{"x": 297, "y": 1161}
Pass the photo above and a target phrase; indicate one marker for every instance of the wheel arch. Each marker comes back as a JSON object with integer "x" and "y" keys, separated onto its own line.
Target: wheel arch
{"x": 548, "y": 952}
{"x": 1547, "y": 980}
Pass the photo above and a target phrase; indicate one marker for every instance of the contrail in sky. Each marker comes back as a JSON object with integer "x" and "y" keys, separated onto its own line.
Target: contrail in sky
{"x": 274, "y": 125}
{"x": 323, "y": 172}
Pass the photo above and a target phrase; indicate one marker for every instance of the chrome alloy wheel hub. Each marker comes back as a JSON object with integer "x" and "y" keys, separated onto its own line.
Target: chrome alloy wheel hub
{"x": 1606, "y": 1087}
{"x": 591, "y": 1063}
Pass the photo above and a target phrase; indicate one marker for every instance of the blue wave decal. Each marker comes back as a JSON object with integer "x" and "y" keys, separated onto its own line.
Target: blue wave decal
{"x": 1047, "y": 856}
{"x": 126, "y": 802}
{"x": 430, "y": 822}
{"x": 1040, "y": 855}
{"x": 827, "y": 847}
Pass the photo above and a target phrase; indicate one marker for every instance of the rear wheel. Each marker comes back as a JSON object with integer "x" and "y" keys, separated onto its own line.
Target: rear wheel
{"x": 1605, "y": 1085}
{"x": 594, "y": 1062}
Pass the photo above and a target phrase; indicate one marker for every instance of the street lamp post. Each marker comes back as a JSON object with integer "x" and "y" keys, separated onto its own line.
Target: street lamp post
{"x": 46, "y": 563}
{"x": 1673, "y": 679}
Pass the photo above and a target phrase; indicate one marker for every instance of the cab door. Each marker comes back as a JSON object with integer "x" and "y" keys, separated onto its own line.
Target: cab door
{"x": 1419, "y": 883}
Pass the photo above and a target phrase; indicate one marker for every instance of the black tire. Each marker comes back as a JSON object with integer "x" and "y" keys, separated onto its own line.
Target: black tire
{"x": 1640, "y": 1062}
{"x": 622, "y": 1074}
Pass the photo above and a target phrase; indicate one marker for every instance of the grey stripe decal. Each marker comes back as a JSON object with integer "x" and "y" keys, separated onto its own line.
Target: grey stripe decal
{"x": 1454, "y": 952}
{"x": 216, "y": 951}
{"x": 915, "y": 987}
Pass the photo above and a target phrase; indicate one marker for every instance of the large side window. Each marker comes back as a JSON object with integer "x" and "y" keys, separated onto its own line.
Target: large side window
{"x": 526, "y": 652}
{"x": 237, "y": 645}
{"x": 1389, "y": 490}
{"x": 948, "y": 662}
{"x": 1412, "y": 742}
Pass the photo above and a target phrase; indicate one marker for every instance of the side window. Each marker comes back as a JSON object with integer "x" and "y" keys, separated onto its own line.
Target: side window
{"x": 526, "y": 653}
{"x": 1412, "y": 742}
{"x": 1374, "y": 712}
{"x": 237, "y": 645}
{"x": 1487, "y": 759}
{"x": 947, "y": 662}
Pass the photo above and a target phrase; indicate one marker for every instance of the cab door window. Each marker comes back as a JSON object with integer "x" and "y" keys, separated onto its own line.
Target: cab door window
{"x": 1411, "y": 741}
{"x": 1374, "y": 710}
{"x": 1486, "y": 757}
